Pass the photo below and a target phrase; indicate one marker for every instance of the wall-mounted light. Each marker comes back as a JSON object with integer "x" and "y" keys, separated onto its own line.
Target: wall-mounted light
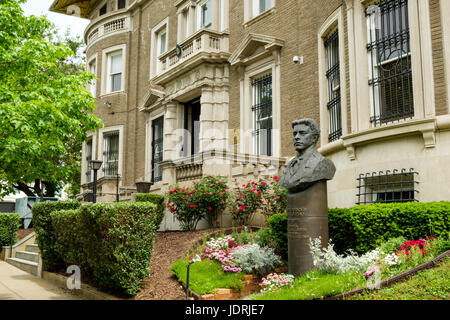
{"x": 108, "y": 104}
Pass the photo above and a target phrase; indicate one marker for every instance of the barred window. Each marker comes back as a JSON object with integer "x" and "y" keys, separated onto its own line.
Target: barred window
{"x": 111, "y": 154}
{"x": 88, "y": 160}
{"x": 389, "y": 61}
{"x": 334, "y": 88}
{"x": 262, "y": 114}
{"x": 157, "y": 148}
{"x": 387, "y": 187}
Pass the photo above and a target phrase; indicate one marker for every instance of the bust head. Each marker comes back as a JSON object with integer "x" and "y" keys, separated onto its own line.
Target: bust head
{"x": 306, "y": 133}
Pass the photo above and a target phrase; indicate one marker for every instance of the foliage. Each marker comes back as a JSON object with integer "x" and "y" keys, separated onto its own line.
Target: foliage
{"x": 207, "y": 275}
{"x": 275, "y": 200}
{"x": 153, "y": 198}
{"x": 262, "y": 237}
{"x": 42, "y": 108}
{"x": 220, "y": 249}
{"x": 205, "y": 200}
{"x": 9, "y": 224}
{"x": 431, "y": 284}
{"x": 315, "y": 285}
{"x": 362, "y": 227}
{"x": 278, "y": 232}
{"x": 274, "y": 281}
{"x": 253, "y": 258}
{"x": 45, "y": 235}
{"x": 112, "y": 242}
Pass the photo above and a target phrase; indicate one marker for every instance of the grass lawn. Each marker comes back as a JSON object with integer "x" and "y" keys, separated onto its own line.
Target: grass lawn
{"x": 431, "y": 284}
{"x": 315, "y": 285}
{"x": 205, "y": 276}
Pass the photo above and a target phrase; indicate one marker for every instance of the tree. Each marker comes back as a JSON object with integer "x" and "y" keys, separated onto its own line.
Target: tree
{"x": 44, "y": 106}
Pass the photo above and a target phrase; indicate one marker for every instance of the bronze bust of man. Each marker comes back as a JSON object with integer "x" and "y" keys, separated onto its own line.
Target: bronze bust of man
{"x": 308, "y": 166}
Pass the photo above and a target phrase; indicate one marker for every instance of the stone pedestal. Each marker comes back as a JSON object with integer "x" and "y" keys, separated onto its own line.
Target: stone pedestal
{"x": 307, "y": 215}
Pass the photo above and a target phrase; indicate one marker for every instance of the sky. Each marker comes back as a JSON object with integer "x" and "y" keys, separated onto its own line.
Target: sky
{"x": 62, "y": 21}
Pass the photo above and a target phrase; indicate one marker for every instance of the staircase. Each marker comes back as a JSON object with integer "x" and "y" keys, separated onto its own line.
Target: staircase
{"x": 26, "y": 257}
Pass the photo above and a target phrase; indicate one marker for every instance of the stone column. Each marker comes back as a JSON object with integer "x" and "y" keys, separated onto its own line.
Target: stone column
{"x": 171, "y": 134}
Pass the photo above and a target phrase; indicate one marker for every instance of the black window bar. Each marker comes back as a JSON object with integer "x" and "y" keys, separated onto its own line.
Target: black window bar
{"x": 334, "y": 88}
{"x": 387, "y": 187}
{"x": 390, "y": 62}
{"x": 111, "y": 155}
{"x": 157, "y": 148}
{"x": 262, "y": 114}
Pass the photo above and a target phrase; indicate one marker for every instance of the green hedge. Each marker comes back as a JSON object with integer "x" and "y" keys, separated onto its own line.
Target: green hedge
{"x": 9, "y": 223}
{"x": 362, "y": 228}
{"x": 278, "y": 232}
{"x": 45, "y": 238}
{"x": 112, "y": 242}
{"x": 153, "y": 198}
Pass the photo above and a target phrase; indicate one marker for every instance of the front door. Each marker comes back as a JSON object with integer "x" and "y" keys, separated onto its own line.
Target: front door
{"x": 157, "y": 148}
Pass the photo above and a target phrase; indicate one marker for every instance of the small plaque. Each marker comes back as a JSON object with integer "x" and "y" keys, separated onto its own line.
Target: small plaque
{"x": 296, "y": 212}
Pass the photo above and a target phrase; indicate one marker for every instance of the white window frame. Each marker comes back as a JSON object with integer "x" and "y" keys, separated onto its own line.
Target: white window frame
{"x": 155, "y": 46}
{"x": 421, "y": 62}
{"x": 106, "y": 83}
{"x": 92, "y": 87}
{"x": 91, "y": 136}
{"x": 252, "y": 9}
{"x": 335, "y": 20}
{"x": 101, "y": 133}
{"x": 199, "y": 9}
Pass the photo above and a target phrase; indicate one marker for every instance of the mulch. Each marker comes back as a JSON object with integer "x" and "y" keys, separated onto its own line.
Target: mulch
{"x": 168, "y": 247}
{"x": 22, "y": 233}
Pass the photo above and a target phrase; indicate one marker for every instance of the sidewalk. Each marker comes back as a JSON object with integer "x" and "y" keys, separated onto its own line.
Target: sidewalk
{"x": 16, "y": 284}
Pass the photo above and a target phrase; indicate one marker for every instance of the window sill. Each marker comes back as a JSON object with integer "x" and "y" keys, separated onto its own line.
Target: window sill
{"x": 425, "y": 127}
{"x": 106, "y": 95}
{"x": 259, "y": 17}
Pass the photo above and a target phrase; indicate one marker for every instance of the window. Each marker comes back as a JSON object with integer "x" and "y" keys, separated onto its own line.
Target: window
{"x": 115, "y": 66}
{"x": 111, "y": 154}
{"x": 387, "y": 187}
{"x": 390, "y": 77}
{"x": 205, "y": 15}
{"x": 93, "y": 84}
{"x": 262, "y": 114}
{"x": 88, "y": 160}
{"x": 162, "y": 41}
{"x": 102, "y": 10}
{"x": 121, "y": 4}
{"x": 260, "y": 6}
{"x": 334, "y": 88}
{"x": 157, "y": 148}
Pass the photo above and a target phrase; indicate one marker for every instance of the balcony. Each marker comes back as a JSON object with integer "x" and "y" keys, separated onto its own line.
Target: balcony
{"x": 204, "y": 46}
{"x": 105, "y": 26}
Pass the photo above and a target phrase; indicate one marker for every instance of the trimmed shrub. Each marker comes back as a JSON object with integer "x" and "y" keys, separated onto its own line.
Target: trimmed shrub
{"x": 119, "y": 243}
{"x": 278, "y": 232}
{"x": 362, "y": 228}
{"x": 9, "y": 223}
{"x": 153, "y": 198}
{"x": 70, "y": 237}
{"x": 45, "y": 237}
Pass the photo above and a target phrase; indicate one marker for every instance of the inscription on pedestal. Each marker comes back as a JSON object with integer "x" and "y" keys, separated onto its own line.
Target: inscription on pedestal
{"x": 296, "y": 212}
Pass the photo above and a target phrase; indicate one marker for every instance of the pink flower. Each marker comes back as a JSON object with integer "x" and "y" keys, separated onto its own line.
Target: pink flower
{"x": 278, "y": 197}
{"x": 191, "y": 205}
{"x": 227, "y": 190}
{"x": 209, "y": 208}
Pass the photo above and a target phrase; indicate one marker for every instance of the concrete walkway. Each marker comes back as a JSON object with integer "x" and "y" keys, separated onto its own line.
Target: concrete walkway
{"x": 16, "y": 284}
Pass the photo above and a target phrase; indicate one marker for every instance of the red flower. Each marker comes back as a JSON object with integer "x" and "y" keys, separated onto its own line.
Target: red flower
{"x": 275, "y": 177}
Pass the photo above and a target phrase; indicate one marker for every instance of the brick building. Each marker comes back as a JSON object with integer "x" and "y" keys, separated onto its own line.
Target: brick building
{"x": 189, "y": 87}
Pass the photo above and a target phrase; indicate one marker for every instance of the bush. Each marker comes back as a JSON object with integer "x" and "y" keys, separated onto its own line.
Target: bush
{"x": 278, "y": 232}
{"x": 45, "y": 237}
{"x": 362, "y": 227}
{"x": 255, "y": 259}
{"x": 153, "y": 198}
{"x": 9, "y": 223}
{"x": 119, "y": 243}
{"x": 205, "y": 200}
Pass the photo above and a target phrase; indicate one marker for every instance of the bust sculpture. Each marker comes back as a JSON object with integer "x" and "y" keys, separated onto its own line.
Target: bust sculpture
{"x": 307, "y": 210}
{"x": 308, "y": 166}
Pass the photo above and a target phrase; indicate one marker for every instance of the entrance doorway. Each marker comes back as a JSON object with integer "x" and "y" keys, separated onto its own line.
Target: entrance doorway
{"x": 191, "y": 143}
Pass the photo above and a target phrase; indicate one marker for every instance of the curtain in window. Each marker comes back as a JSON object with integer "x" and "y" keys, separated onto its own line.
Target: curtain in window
{"x": 262, "y": 114}
{"x": 111, "y": 154}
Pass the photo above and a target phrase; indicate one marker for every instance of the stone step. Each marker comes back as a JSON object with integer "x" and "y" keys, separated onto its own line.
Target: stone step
{"x": 28, "y": 255}
{"x": 32, "y": 248}
{"x": 25, "y": 265}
